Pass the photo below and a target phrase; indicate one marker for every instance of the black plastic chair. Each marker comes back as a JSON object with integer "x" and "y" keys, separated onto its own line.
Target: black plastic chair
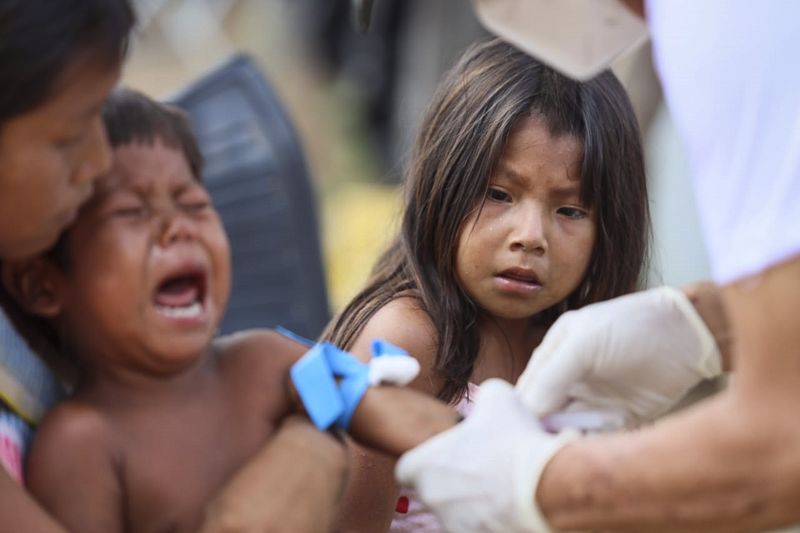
{"x": 256, "y": 173}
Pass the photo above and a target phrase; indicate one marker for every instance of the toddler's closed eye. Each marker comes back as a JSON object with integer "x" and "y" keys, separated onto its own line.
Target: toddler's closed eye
{"x": 198, "y": 205}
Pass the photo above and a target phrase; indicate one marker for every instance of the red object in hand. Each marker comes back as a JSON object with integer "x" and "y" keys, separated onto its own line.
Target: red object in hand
{"x": 402, "y": 505}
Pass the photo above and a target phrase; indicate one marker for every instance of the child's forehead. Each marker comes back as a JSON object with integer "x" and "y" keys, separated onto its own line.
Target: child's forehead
{"x": 532, "y": 145}
{"x": 147, "y": 165}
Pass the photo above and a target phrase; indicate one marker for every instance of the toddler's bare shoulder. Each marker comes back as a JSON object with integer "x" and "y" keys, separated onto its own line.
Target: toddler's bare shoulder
{"x": 259, "y": 351}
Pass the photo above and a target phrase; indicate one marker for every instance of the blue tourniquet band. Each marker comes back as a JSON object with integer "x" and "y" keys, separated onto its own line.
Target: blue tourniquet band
{"x": 316, "y": 385}
{"x": 286, "y": 332}
{"x": 331, "y": 382}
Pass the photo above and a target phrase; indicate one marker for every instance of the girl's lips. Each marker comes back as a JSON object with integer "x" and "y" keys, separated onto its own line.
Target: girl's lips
{"x": 522, "y": 275}
{"x": 518, "y": 280}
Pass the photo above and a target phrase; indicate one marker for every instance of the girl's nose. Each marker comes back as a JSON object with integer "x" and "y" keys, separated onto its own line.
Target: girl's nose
{"x": 530, "y": 232}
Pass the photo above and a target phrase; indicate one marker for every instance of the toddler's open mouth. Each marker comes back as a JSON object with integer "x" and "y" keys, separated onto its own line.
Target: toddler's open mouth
{"x": 182, "y": 294}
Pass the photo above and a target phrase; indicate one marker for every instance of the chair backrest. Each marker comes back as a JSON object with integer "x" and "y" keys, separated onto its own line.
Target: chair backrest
{"x": 256, "y": 173}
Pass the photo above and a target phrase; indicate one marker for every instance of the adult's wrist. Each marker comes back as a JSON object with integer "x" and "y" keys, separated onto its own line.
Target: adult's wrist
{"x": 706, "y": 299}
{"x": 293, "y": 483}
{"x": 558, "y": 498}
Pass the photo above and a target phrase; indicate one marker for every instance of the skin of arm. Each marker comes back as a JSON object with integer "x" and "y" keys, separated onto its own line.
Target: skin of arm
{"x": 395, "y": 419}
{"x": 707, "y": 301}
{"x": 19, "y": 510}
{"x": 77, "y": 465}
{"x": 371, "y": 495}
{"x": 300, "y": 464}
{"x": 729, "y": 464}
{"x": 71, "y": 470}
{"x": 72, "y": 462}
{"x": 303, "y": 464}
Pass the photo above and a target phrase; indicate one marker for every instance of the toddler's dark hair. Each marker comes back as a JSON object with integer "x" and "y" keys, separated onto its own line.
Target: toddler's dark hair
{"x": 131, "y": 117}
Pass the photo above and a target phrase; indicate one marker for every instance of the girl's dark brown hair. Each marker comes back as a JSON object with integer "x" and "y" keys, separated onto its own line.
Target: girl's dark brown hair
{"x": 472, "y": 115}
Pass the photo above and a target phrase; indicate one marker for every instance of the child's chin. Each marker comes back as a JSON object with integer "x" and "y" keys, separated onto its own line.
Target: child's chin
{"x": 185, "y": 351}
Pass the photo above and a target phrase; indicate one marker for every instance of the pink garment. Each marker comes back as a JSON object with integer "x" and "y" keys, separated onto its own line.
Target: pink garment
{"x": 14, "y": 437}
{"x": 418, "y": 519}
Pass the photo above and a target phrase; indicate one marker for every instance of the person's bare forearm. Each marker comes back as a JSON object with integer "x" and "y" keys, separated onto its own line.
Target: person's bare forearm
{"x": 293, "y": 484}
{"x": 395, "y": 419}
{"x": 728, "y": 464}
{"x": 20, "y": 512}
{"x": 705, "y": 470}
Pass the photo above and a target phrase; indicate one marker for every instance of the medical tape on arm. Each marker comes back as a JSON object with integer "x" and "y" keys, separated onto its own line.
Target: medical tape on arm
{"x": 331, "y": 382}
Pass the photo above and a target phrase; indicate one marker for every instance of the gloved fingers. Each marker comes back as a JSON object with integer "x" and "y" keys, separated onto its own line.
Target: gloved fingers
{"x": 544, "y": 386}
{"x": 709, "y": 362}
{"x": 590, "y": 418}
{"x": 494, "y": 396}
{"x": 414, "y": 464}
{"x": 637, "y": 402}
{"x": 552, "y": 343}
{"x": 393, "y": 369}
{"x": 495, "y": 401}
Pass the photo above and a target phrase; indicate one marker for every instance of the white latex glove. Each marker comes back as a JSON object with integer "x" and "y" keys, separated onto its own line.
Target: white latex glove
{"x": 481, "y": 475}
{"x": 639, "y": 354}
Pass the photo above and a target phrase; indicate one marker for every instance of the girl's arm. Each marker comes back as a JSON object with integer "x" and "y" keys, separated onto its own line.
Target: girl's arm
{"x": 395, "y": 419}
{"x": 71, "y": 471}
{"x": 371, "y": 494}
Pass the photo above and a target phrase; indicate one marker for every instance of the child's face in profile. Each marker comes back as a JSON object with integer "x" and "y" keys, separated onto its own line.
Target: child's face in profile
{"x": 149, "y": 272}
{"x": 530, "y": 245}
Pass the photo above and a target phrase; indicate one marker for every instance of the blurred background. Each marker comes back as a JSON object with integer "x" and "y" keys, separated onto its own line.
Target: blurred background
{"x": 356, "y": 99}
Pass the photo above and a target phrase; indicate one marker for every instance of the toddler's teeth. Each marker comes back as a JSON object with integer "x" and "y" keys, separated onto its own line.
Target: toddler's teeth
{"x": 181, "y": 312}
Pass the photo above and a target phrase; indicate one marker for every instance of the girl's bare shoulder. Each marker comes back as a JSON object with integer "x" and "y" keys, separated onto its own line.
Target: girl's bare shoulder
{"x": 404, "y": 323}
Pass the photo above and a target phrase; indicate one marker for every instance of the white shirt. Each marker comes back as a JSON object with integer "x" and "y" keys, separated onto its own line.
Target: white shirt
{"x": 731, "y": 79}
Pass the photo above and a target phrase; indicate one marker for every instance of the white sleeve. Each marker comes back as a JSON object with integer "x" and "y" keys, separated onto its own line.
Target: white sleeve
{"x": 731, "y": 79}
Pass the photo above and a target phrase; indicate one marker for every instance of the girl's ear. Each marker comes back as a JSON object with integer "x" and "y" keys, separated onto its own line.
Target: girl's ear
{"x": 34, "y": 284}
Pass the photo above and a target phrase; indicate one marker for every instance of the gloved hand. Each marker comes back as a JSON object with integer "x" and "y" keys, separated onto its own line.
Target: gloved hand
{"x": 482, "y": 474}
{"x": 639, "y": 353}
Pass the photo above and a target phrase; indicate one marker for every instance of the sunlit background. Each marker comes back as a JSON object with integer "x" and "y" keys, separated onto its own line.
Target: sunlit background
{"x": 356, "y": 101}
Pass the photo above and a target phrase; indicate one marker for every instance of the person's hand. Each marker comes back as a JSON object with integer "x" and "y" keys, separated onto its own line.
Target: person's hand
{"x": 482, "y": 474}
{"x": 293, "y": 484}
{"x": 639, "y": 354}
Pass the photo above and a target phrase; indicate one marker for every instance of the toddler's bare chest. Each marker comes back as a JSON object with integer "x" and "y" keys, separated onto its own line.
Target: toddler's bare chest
{"x": 175, "y": 463}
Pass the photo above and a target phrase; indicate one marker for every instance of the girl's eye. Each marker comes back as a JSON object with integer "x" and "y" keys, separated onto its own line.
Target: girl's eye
{"x": 497, "y": 195}
{"x": 572, "y": 212}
